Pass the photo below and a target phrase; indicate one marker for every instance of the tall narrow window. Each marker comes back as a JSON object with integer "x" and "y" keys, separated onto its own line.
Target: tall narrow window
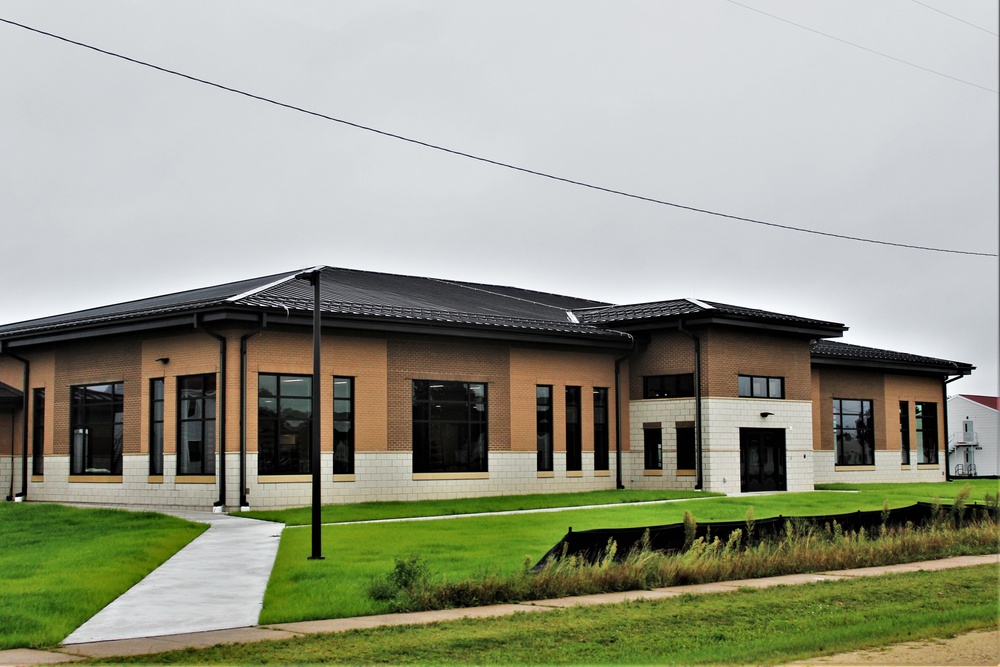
{"x": 601, "y": 440}
{"x": 927, "y": 432}
{"x": 543, "y": 419}
{"x": 652, "y": 440}
{"x": 574, "y": 432}
{"x": 96, "y": 429}
{"x": 686, "y": 457}
{"x": 904, "y": 431}
{"x": 343, "y": 426}
{"x": 854, "y": 432}
{"x": 284, "y": 424}
{"x": 449, "y": 427}
{"x": 196, "y": 425}
{"x": 38, "y": 432}
{"x": 156, "y": 426}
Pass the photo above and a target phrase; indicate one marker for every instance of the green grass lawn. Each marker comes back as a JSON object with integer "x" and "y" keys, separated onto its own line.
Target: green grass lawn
{"x": 301, "y": 516}
{"x": 61, "y": 565}
{"x": 748, "y": 626}
{"x": 302, "y": 589}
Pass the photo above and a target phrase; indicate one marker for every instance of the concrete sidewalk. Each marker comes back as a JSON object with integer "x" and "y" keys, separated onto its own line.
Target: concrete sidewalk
{"x": 216, "y": 582}
{"x": 149, "y": 645}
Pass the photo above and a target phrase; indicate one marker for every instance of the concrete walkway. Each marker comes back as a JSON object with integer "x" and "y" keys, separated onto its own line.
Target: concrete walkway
{"x": 216, "y": 582}
{"x": 150, "y": 645}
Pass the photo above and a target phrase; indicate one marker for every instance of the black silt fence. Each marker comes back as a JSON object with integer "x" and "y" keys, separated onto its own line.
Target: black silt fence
{"x": 590, "y": 545}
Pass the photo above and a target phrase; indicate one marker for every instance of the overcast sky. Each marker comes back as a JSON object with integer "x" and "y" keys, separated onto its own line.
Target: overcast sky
{"x": 119, "y": 182}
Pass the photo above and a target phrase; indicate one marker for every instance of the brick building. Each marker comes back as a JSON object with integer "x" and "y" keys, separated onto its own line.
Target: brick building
{"x": 433, "y": 388}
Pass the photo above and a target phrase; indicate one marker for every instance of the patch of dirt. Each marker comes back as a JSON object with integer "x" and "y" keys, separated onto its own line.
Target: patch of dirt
{"x": 975, "y": 648}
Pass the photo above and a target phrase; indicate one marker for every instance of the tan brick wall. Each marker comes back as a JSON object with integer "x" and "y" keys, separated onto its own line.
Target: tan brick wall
{"x": 418, "y": 358}
{"x": 728, "y": 353}
{"x": 530, "y": 367}
{"x": 885, "y": 391}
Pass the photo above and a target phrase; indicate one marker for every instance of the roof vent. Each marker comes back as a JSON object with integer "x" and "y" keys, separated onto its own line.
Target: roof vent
{"x": 572, "y": 317}
{"x": 700, "y": 304}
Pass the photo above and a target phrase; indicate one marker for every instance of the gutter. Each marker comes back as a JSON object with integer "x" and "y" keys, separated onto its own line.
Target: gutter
{"x": 221, "y": 391}
{"x": 24, "y": 430}
{"x": 697, "y": 404}
{"x": 244, "y": 339}
{"x": 944, "y": 421}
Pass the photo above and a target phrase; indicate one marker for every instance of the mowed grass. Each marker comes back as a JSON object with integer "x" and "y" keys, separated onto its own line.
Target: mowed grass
{"x": 302, "y": 589}
{"x": 61, "y": 565}
{"x": 301, "y": 516}
{"x": 749, "y": 626}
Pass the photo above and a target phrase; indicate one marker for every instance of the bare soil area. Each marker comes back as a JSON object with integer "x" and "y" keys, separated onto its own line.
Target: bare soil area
{"x": 975, "y": 648}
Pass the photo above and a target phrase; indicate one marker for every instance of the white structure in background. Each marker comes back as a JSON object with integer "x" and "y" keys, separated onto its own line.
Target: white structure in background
{"x": 972, "y": 444}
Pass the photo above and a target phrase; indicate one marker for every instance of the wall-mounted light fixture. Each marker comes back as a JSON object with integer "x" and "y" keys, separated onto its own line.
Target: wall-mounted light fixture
{"x": 164, "y": 360}
{"x": 766, "y": 414}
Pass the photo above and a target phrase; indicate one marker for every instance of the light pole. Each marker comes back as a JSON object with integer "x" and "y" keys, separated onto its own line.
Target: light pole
{"x": 313, "y": 276}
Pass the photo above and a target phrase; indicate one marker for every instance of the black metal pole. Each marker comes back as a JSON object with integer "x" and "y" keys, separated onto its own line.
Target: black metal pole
{"x": 317, "y": 536}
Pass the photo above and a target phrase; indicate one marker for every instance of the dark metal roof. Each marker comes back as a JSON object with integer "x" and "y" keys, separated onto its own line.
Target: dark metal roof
{"x": 843, "y": 354}
{"x": 693, "y": 310}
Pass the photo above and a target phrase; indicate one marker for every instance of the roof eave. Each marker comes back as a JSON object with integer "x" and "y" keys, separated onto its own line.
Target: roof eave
{"x": 897, "y": 366}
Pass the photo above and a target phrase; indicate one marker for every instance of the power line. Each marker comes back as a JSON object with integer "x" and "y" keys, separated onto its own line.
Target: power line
{"x": 478, "y": 158}
{"x": 863, "y": 48}
{"x": 955, "y": 17}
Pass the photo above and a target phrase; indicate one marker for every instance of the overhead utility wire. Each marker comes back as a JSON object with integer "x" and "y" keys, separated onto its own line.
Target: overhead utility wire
{"x": 956, "y": 18}
{"x": 863, "y": 48}
{"x": 488, "y": 160}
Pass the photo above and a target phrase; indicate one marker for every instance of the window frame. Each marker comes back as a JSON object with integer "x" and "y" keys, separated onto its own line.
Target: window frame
{"x": 867, "y": 430}
{"x": 81, "y": 427}
{"x": 652, "y": 386}
{"x": 544, "y": 429}
{"x": 344, "y": 464}
{"x": 652, "y": 448}
{"x": 38, "y": 431}
{"x": 205, "y": 425}
{"x": 752, "y": 379}
{"x": 473, "y": 444}
{"x": 156, "y": 435}
{"x": 926, "y": 436}
{"x": 277, "y": 431}
{"x": 602, "y": 429}
{"x": 574, "y": 428}
{"x": 904, "y": 432}
{"x": 688, "y": 445}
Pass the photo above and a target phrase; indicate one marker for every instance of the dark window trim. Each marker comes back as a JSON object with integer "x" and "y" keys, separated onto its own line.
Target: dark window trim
{"x": 202, "y": 454}
{"x": 343, "y": 458}
{"x": 156, "y": 438}
{"x": 865, "y": 433}
{"x": 685, "y": 446}
{"x": 543, "y": 428}
{"x": 927, "y": 438}
{"x": 476, "y": 431}
{"x": 652, "y": 447}
{"x": 602, "y": 429}
{"x": 80, "y": 429}
{"x": 574, "y": 428}
{"x": 38, "y": 431}
{"x": 305, "y": 430}
{"x": 904, "y": 431}
{"x": 767, "y": 383}
{"x": 673, "y": 385}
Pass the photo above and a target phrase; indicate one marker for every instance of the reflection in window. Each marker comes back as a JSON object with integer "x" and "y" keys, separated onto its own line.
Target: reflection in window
{"x": 601, "y": 439}
{"x": 38, "y": 431}
{"x": 927, "y": 432}
{"x": 96, "y": 429}
{"x": 343, "y": 426}
{"x": 574, "y": 434}
{"x": 854, "y": 432}
{"x": 904, "y": 431}
{"x": 652, "y": 440}
{"x": 543, "y": 428}
{"x": 284, "y": 424}
{"x": 756, "y": 386}
{"x": 156, "y": 426}
{"x": 449, "y": 427}
{"x": 668, "y": 386}
{"x": 196, "y": 425}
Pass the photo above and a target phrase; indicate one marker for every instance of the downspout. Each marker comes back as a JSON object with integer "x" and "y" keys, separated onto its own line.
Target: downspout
{"x": 944, "y": 416}
{"x": 221, "y": 391}
{"x": 244, "y": 339}
{"x": 697, "y": 402}
{"x": 24, "y": 432}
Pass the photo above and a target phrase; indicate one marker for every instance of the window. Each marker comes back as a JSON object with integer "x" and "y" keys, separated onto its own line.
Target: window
{"x": 756, "y": 386}
{"x": 449, "y": 427}
{"x": 96, "y": 429}
{"x": 668, "y": 386}
{"x": 284, "y": 424}
{"x": 904, "y": 431}
{"x": 927, "y": 432}
{"x": 574, "y": 435}
{"x": 38, "y": 432}
{"x": 854, "y": 433}
{"x": 343, "y": 426}
{"x": 543, "y": 418}
{"x": 156, "y": 426}
{"x": 601, "y": 440}
{"x": 686, "y": 457}
{"x": 652, "y": 439}
{"x": 196, "y": 425}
